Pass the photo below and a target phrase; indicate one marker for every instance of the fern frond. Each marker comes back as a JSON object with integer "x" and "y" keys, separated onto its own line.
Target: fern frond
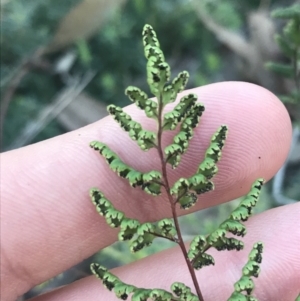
{"x": 243, "y": 288}
{"x": 149, "y": 181}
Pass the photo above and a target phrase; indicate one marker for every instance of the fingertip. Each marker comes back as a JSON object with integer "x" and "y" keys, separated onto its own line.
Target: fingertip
{"x": 259, "y": 135}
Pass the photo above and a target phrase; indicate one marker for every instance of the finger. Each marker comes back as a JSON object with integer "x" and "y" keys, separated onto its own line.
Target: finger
{"x": 278, "y": 280}
{"x": 46, "y": 211}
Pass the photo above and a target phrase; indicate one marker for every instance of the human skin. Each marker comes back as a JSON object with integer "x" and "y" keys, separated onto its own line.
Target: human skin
{"x": 48, "y": 223}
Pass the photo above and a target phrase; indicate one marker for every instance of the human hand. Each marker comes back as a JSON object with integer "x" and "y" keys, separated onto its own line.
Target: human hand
{"x": 48, "y": 223}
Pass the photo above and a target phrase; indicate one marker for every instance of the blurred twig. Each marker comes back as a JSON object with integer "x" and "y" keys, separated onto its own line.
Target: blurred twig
{"x": 11, "y": 88}
{"x": 254, "y": 50}
{"x": 62, "y": 100}
{"x": 14, "y": 79}
{"x": 82, "y": 22}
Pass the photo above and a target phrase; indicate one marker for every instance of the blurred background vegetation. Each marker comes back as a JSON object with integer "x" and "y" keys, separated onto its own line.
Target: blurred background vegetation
{"x": 63, "y": 61}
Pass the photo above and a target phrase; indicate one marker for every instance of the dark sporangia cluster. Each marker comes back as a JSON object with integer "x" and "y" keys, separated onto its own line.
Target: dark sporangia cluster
{"x": 184, "y": 193}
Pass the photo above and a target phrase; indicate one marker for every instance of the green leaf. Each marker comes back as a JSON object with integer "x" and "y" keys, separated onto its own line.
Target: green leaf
{"x": 102, "y": 204}
{"x": 217, "y": 144}
{"x": 251, "y": 269}
{"x": 220, "y": 136}
{"x": 207, "y": 168}
{"x": 245, "y": 284}
{"x": 108, "y": 154}
{"x": 134, "y": 130}
{"x": 254, "y": 192}
{"x": 182, "y": 140}
{"x": 146, "y": 140}
{"x": 180, "y": 187}
{"x": 84, "y": 52}
{"x": 135, "y": 178}
{"x": 141, "y": 294}
{"x": 171, "y": 119}
{"x": 120, "y": 168}
{"x": 285, "y": 70}
{"x": 180, "y": 81}
{"x": 198, "y": 243}
{"x": 156, "y": 54}
{"x": 173, "y": 152}
{"x": 166, "y": 226}
{"x": 125, "y": 121}
{"x": 244, "y": 210}
{"x": 114, "y": 217}
{"x": 141, "y": 242}
{"x": 152, "y": 188}
{"x": 203, "y": 260}
{"x": 287, "y": 12}
{"x": 234, "y": 227}
{"x": 122, "y": 290}
{"x": 213, "y": 152}
{"x": 216, "y": 236}
{"x": 291, "y": 32}
{"x": 293, "y": 98}
{"x": 285, "y": 46}
{"x": 183, "y": 291}
{"x": 236, "y": 296}
{"x": 241, "y": 213}
{"x": 144, "y": 238}
{"x": 137, "y": 245}
{"x": 109, "y": 280}
{"x": 149, "y": 36}
{"x": 192, "y": 119}
{"x": 200, "y": 184}
{"x": 229, "y": 244}
{"x": 168, "y": 94}
{"x": 158, "y": 73}
{"x": 128, "y": 228}
{"x": 140, "y": 98}
{"x": 249, "y": 202}
{"x": 180, "y": 289}
{"x": 145, "y": 228}
{"x": 160, "y": 295}
{"x": 255, "y": 254}
{"x": 98, "y": 270}
{"x": 185, "y": 198}
{"x": 178, "y": 84}
{"x": 151, "y": 182}
{"x": 188, "y": 200}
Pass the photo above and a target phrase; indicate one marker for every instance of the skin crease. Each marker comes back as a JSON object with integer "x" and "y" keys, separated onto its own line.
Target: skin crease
{"x": 48, "y": 223}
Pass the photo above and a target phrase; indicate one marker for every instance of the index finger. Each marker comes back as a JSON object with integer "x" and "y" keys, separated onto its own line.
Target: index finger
{"x": 48, "y": 221}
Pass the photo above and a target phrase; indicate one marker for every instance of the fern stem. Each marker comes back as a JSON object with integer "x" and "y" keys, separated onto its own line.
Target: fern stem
{"x": 172, "y": 202}
{"x": 162, "y": 236}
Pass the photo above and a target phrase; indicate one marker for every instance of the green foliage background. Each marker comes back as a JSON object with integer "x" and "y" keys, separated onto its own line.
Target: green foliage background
{"x": 115, "y": 50}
